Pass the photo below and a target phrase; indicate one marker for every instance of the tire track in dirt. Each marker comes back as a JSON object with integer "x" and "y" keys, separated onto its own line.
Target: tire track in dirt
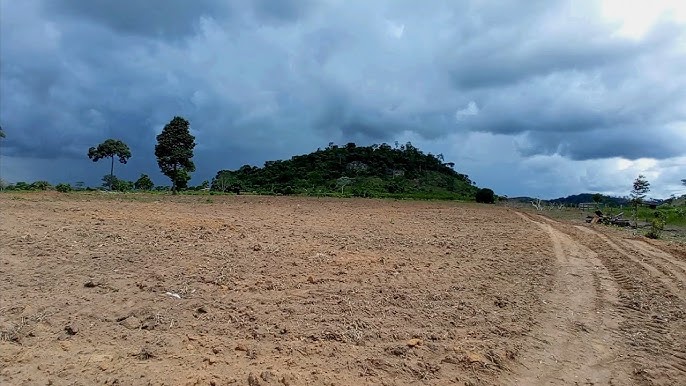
{"x": 576, "y": 341}
{"x": 678, "y": 267}
{"x": 651, "y": 303}
{"x": 663, "y": 269}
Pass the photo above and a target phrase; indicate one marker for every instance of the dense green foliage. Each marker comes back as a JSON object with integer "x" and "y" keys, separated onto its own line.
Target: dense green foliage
{"x": 174, "y": 152}
{"x": 485, "y": 196}
{"x": 109, "y": 149}
{"x": 143, "y": 183}
{"x": 350, "y": 170}
{"x": 63, "y": 188}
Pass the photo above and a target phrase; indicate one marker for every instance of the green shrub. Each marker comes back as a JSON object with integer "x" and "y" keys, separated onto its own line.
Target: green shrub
{"x": 63, "y": 188}
{"x": 657, "y": 225}
{"x": 40, "y": 185}
{"x": 485, "y": 196}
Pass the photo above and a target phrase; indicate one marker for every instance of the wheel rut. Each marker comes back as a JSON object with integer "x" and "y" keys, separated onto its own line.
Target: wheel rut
{"x": 576, "y": 341}
{"x": 650, "y": 302}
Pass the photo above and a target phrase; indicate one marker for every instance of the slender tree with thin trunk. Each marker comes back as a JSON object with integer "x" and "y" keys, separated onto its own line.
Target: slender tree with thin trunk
{"x": 2, "y": 136}
{"x": 640, "y": 189}
{"x": 109, "y": 149}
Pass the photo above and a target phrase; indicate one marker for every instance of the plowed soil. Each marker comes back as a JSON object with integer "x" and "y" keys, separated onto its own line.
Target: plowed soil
{"x": 209, "y": 290}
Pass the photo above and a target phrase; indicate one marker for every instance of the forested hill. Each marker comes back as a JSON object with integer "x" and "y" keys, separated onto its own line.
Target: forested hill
{"x": 576, "y": 199}
{"x": 350, "y": 170}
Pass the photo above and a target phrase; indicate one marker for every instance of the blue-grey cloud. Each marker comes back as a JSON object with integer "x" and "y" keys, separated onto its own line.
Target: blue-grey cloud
{"x": 267, "y": 79}
{"x": 162, "y": 19}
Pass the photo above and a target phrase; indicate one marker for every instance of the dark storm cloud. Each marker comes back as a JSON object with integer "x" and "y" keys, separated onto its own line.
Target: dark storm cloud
{"x": 633, "y": 143}
{"x": 153, "y": 18}
{"x": 282, "y": 10}
{"x": 267, "y": 79}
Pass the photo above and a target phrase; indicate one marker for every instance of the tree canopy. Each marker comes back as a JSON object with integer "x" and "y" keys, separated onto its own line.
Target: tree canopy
{"x": 485, "y": 196}
{"x": 144, "y": 183}
{"x": 109, "y": 149}
{"x": 174, "y": 152}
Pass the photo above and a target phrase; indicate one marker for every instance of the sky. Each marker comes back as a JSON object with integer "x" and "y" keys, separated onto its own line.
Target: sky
{"x": 539, "y": 98}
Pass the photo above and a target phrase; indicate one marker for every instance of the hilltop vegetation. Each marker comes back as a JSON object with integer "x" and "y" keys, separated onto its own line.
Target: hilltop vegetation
{"x": 351, "y": 170}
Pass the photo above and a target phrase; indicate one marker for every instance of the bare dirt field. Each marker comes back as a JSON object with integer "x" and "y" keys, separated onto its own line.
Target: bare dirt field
{"x": 208, "y": 290}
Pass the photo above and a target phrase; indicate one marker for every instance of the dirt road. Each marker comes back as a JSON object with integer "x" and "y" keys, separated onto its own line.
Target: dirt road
{"x": 616, "y": 312}
{"x": 138, "y": 290}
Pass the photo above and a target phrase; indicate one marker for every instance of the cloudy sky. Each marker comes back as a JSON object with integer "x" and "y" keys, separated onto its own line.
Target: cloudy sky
{"x": 541, "y": 98}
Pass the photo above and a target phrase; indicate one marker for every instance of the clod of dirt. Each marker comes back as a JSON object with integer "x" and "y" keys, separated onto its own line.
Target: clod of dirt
{"x": 500, "y": 302}
{"x": 397, "y": 350}
{"x": 132, "y": 323}
{"x": 311, "y": 280}
{"x": 211, "y": 360}
{"x": 71, "y": 329}
{"x": 257, "y": 247}
{"x": 201, "y": 310}
{"x": 414, "y": 342}
{"x": 144, "y": 354}
{"x": 216, "y": 350}
{"x": 267, "y": 376}
{"x": 474, "y": 358}
{"x": 241, "y": 347}
{"x": 450, "y": 360}
{"x": 253, "y": 380}
{"x": 149, "y": 323}
{"x": 90, "y": 284}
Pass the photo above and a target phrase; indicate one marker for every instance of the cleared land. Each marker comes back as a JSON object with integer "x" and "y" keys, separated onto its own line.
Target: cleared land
{"x": 113, "y": 289}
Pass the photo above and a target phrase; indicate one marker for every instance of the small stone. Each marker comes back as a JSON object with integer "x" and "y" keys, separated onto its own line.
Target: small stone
{"x": 71, "y": 329}
{"x": 211, "y": 360}
{"x": 241, "y": 347}
{"x": 414, "y": 342}
{"x": 216, "y": 350}
{"x": 89, "y": 284}
{"x": 257, "y": 247}
{"x": 310, "y": 279}
{"x": 202, "y": 310}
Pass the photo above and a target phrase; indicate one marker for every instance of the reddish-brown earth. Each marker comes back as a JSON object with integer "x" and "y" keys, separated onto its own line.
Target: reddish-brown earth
{"x": 209, "y": 290}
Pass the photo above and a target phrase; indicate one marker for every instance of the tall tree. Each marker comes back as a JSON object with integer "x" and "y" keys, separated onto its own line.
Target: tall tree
{"x": 640, "y": 189}
{"x": 2, "y": 136}
{"x": 109, "y": 149}
{"x": 174, "y": 152}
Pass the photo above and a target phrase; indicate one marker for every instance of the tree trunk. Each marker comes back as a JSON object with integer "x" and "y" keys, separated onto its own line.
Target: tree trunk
{"x": 112, "y": 174}
{"x": 174, "y": 182}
